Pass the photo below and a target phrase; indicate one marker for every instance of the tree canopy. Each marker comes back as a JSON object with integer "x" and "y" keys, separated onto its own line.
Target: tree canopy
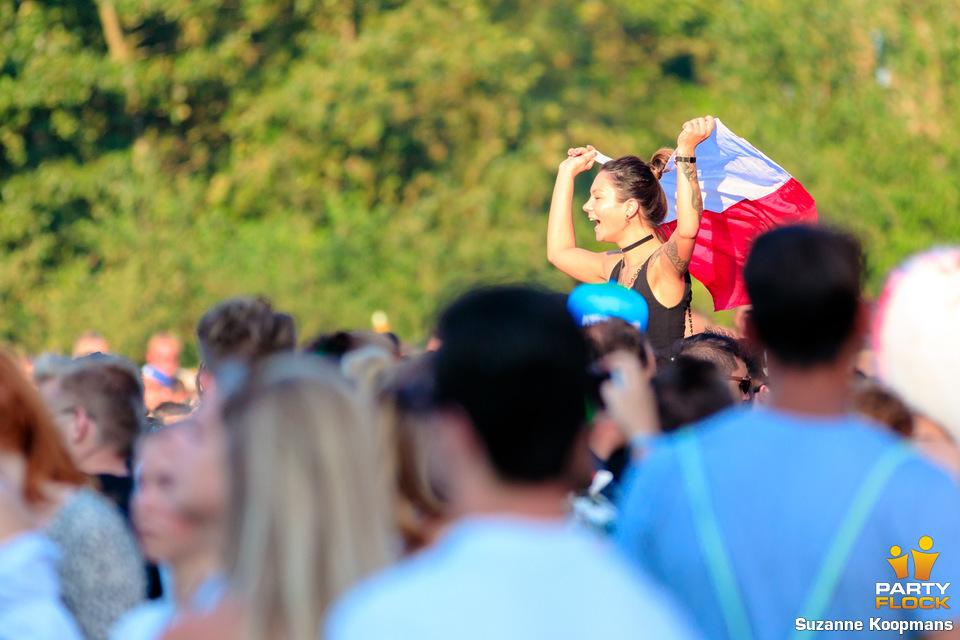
{"x": 345, "y": 156}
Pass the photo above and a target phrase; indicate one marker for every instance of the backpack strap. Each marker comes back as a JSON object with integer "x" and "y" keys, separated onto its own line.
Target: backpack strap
{"x": 715, "y": 552}
{"x": 838, "y": 553}
{"x": 717, "y": 556}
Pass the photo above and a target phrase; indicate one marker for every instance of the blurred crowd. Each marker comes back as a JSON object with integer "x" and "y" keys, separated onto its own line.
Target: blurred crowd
{"x": 529, "y": 474}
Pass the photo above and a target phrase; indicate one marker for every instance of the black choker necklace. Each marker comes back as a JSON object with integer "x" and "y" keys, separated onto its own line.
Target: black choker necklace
{"x": 636, "y": 244}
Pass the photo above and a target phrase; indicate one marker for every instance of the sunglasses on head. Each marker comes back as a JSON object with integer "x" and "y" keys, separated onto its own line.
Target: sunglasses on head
{"x": 744, "y": 383}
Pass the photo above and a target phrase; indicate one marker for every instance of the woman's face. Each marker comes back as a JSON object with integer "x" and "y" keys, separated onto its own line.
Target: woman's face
{"x": 201, "y": 474}
{"x": 605, "y": 210}
{"x": 165, "y": 534}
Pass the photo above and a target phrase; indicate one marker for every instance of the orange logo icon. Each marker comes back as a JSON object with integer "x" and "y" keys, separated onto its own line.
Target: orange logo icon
{"x": 922, "y": 562}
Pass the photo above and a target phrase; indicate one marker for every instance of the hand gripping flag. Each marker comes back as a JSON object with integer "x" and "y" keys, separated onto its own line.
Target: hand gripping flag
{"x": 744, "y": 194}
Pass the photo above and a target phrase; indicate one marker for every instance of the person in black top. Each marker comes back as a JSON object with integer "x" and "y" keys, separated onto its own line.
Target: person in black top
{"x": 628, "y": 205}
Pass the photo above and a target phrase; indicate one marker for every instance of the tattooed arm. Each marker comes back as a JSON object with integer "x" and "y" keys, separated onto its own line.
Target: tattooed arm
{"x": 677, "y": 252}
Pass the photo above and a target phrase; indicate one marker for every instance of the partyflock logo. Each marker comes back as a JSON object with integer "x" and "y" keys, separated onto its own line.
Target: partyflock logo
{"x": 920, "y": 593}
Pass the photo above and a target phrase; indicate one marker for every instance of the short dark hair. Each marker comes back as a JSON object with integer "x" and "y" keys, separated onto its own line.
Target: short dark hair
{"x": 710, "y": 346}
{"x": 170, "y": 409}
{"x": 339, "y": 343}
{"x": 804, "y": 283}
{"x": 688, "y": 390}
{"x": 246, "y": 329}
{"x": 109, "y": 388}
{"x": 615, "y": 334}
{"x": 753, "y": 357}
{"x": 516, "y": 363}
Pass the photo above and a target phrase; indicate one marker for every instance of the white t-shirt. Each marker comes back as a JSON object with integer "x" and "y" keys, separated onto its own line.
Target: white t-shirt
{"x": 30, "y": 607}
{"x": 502, "y": 577}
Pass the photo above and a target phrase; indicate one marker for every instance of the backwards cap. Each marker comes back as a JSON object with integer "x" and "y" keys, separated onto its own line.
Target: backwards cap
{"x": 593, "y": 303}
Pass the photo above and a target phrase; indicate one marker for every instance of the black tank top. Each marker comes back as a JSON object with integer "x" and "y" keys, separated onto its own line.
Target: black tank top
{"x": 666, "y": 324}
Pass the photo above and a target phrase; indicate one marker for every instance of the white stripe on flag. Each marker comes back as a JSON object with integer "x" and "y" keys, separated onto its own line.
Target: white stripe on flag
{"x": 730, "y": 170}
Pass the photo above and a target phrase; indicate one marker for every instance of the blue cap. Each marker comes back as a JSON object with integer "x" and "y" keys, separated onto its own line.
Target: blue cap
{"x": 593, "y": 303}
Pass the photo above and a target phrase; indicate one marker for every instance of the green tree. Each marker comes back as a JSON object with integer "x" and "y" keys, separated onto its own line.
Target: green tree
{"x": 343, "y": 156}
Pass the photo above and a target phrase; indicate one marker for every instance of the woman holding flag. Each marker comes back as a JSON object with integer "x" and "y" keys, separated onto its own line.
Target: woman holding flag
{"x": 628, "y": 205}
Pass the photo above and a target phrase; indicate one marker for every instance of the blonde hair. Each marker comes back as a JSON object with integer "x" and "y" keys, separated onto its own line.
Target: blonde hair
{"x": 306, "y": 515}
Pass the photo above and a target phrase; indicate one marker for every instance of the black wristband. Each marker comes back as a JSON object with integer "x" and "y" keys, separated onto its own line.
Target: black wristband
{"x": 690, "y": 159}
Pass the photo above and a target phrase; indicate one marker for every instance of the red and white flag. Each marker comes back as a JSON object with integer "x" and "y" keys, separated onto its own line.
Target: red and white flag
{"x": 744, "y": 194}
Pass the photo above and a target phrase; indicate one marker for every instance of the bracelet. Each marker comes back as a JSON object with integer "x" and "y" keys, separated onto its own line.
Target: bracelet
{"x": 690, "y": 159}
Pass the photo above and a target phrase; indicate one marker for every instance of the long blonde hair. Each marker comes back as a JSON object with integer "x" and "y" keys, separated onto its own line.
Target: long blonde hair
{"x": 306, "y": 516}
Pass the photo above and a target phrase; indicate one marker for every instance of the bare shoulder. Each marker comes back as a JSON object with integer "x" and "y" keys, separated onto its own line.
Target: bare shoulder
{"x": 666, "y": 260}
{"x": 610, "y": 260}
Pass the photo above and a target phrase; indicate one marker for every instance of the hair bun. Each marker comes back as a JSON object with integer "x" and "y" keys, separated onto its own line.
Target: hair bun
{"x": 658, "y": 163}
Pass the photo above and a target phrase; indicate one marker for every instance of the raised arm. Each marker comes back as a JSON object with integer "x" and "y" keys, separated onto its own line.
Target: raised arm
{"x": 675, "y": 254}
{"x": 562, "y": 250}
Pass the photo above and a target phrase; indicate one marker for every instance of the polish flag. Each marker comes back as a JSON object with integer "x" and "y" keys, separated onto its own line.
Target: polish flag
{"x": 745, "y": 193}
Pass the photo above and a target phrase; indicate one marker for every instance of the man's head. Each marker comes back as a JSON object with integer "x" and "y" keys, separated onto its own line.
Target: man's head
{"x": 244, "y": 329}
{"x": 171, "y": 412}
{"x": 89, "y": 343}
{"x": 515, "y": 364}
{"x": 723, "y": 352}
{"x": 688, "y": 390}
{"x": 604, "y": 338}
{"x": 804, "y": 284}
{"x": 163, "y": 353}
{"x": 160, "y": 371}
{"x": 97, "y": 402}
{"x": 338, "y": 344}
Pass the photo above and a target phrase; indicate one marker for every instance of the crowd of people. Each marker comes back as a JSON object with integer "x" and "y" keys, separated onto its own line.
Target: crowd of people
{"x": 539, "y": 470}
{"x": 525, "y": 477}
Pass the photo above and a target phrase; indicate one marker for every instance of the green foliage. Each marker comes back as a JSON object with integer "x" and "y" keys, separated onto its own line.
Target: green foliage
{"x": 344, "y": 156}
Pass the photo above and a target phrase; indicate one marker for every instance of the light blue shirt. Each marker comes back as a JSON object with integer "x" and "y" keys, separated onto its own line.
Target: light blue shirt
{"x": 503, "y": 578}
{"x": 780, "y": 485}
{"x": 149, "y": 620}
{"x": 30, "y": 607}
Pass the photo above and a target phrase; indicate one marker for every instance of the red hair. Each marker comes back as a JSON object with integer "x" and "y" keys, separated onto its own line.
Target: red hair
{"x": 27, "y": 428}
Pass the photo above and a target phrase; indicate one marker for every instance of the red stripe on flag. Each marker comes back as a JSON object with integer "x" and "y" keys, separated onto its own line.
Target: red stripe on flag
{"x": 725, "y": 239}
